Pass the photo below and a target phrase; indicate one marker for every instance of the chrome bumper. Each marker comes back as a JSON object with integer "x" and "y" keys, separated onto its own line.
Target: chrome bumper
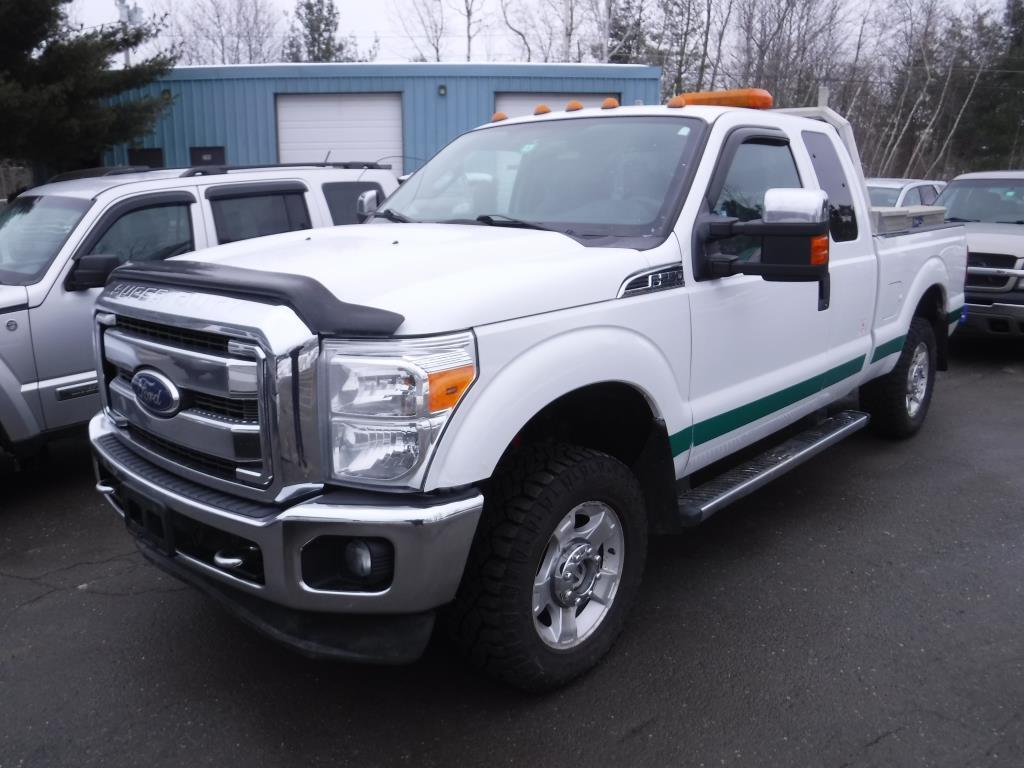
{"x": 996, "y": 319}
{"x": 431, "y": 537}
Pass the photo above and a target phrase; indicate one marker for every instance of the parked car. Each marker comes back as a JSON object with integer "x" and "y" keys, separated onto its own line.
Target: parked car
{"x": 541, "y": 348}
{"x": 59, "y": 241}
{"x": 900, "y": 193}
{"x": 991, "y": 205}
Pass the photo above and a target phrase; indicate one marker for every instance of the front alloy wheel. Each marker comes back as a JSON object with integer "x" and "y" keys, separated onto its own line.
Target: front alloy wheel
{"x": 578, "y": 575}
{"x": 548, "y": 583}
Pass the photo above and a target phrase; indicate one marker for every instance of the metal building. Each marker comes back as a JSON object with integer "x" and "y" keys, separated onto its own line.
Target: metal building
{"x": 395, "y": 113}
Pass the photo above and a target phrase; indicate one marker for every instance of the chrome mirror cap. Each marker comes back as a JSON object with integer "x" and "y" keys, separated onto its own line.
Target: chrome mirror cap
{"x": 366, "y": 204}
{"x": 795, "y": 206}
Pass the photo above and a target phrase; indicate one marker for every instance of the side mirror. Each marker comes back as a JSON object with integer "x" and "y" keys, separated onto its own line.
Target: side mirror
{"x": 91, "y": 271}
{"x": 366, "y": 204}
{"x": 794, "y": 241}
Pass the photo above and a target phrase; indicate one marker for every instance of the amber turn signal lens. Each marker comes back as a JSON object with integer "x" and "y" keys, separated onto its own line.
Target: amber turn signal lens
{"x": 819, "y": 250}
{"x": 447, "y": 387}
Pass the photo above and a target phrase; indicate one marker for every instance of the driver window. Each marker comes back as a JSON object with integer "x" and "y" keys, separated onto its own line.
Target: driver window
{"x": 148, "y": 234}
{"x": 759, "y": 165}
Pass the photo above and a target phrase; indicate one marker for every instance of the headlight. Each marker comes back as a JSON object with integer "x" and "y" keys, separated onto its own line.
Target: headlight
{"x": 389, "y": 401}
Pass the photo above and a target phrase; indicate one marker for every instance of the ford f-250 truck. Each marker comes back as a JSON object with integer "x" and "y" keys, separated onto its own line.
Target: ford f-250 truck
{"x": 540, "y": 349}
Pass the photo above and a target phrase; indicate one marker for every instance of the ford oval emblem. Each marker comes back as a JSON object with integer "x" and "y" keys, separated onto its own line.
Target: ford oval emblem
{"x": 156, "y": 393}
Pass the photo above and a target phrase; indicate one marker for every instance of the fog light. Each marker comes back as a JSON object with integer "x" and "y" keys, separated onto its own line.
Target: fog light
{"x": 358, "y": 558}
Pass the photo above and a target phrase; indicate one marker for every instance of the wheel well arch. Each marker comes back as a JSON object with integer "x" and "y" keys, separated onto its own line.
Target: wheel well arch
{"x": 618, "y": 419}
{"x": 932, "y": 307}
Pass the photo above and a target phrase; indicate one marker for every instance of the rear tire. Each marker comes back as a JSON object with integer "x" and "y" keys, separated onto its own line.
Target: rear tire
{"x": 555, "y": 566}
{"x": 898, "y": 402}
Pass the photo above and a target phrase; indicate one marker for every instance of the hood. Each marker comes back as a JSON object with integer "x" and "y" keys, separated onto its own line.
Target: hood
{"x": 13, "y": 297}
{"x": 441, "y": 277}
{"x": 983, "y": 237}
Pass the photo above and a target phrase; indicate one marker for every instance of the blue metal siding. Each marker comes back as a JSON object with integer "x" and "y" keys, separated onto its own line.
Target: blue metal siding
{"x": 235, "y": 107}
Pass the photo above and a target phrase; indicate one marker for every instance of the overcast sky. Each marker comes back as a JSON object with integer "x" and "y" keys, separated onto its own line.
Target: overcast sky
{"x": 365, "y": 18}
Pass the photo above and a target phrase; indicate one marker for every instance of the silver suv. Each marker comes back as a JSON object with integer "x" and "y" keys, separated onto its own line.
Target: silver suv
{"x": 60, "y": 241}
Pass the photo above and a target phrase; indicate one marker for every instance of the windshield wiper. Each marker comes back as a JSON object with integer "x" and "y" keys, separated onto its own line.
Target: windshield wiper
{"x": 962, "y": 221}
{"x": 501, "y": 220}
{"x": 391, "y": 215}
{"x": 1010, "y": 222}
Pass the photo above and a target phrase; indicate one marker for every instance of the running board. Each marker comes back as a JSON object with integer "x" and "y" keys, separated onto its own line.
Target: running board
{"x": 698, "y": 504}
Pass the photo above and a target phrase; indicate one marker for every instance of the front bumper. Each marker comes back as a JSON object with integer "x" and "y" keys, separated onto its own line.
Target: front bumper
{"x": 430, "y": 535}
{"x": 996, "y": 316}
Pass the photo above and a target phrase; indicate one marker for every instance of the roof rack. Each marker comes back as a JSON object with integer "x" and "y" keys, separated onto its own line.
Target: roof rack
{"x": 212, "y": 170}
{"x": 90, "y": 173}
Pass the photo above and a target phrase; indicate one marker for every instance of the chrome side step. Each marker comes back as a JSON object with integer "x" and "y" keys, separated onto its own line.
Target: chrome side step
{"x": 698, "y": 504}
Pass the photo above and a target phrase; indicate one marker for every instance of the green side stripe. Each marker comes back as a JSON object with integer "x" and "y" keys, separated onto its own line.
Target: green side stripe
{"x": 954, "y": 316}
{"x": 726, "y": 422}
{"x": 889, "y": 348}
{"x": 680, "y": 441}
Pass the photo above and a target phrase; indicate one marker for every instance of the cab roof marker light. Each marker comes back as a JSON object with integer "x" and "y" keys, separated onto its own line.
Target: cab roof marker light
{"x": 497, "y": 117}
{"x": 573, "y": 106}
{"x": 609, "y": 103}
{"x": 541, "y": 109}
{"x": 750, "y": 98}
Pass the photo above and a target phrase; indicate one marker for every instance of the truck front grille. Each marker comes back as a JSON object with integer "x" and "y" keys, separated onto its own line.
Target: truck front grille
{"x": 220, "y": 428}
{"x": 992, "y": 261}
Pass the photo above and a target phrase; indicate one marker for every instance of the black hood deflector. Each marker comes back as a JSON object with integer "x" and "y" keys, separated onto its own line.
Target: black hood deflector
{"x": 316, "y": 306}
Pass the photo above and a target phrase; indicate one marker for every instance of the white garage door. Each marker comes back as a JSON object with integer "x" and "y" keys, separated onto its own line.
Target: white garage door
{"x": 349, "y": 126}
{"x": 519, "y": 104}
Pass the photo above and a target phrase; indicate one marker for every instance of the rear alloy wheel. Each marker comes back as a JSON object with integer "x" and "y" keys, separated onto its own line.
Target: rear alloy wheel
{"x": 898, "y": 402}
{"x": 555, "y": 565}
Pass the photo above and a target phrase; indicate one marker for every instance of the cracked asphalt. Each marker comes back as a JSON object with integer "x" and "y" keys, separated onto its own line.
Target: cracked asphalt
{"x": 865, "y": 610}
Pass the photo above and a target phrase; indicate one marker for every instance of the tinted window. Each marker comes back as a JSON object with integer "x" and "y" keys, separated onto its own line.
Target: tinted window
{"x": 913, "y": 196}
{"x": 756, "y": 167}
{"x": 884, "y": 197}
{"x": 991, "y": 200}
{"x": 148, "y": 234}
{"x": 240, "y": 218}
{"x": 928, "y": 194}
{"x": 341, "y": 198}
{"x": 32, "y": 231}
{"x": 829, "y": 170}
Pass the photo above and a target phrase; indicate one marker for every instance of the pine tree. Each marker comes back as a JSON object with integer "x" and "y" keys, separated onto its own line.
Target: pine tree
{"x": 62, "y": 103}
{"x": 314, "y": 35}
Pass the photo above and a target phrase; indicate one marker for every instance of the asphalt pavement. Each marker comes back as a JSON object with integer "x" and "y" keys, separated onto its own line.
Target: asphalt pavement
{"x": 865, "y": 610}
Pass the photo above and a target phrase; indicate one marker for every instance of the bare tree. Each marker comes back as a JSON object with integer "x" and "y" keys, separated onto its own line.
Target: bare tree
{"x": 225, "y": 31}
{"x": 471, "y": 12}
{"x": 425, "y": 26}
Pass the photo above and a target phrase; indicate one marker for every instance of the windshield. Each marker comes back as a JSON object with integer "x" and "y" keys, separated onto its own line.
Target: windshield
{"x": 32, "y": 231}
{"x": 990, "y": 200}
{"x": 884, "y": 197}
{"x": 586, "y": 177}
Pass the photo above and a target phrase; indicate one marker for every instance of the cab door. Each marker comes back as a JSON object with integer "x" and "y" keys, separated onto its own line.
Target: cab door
{"x": 140, "y": 228}
{"x": 758, "y": 348}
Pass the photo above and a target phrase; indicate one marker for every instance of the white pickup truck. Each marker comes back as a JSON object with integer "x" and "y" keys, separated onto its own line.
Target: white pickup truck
{"x": 542, "y": 347}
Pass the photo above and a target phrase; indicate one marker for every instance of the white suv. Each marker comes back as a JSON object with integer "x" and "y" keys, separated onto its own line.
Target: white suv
{"x": 59, "y": 241}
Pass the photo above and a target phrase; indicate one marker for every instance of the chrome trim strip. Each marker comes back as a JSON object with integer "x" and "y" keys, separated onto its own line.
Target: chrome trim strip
{"x": 186, "y": 429}
{"x": 197, "y": 371}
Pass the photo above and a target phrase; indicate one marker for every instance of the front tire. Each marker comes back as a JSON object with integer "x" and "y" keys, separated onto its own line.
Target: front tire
{"x": 898, "y": 402}
{"x": 555, "y": 566}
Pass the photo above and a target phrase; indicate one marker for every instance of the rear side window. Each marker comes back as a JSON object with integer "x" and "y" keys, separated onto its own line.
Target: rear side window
{"x": 928, "y": 194}
{"x": 341, "y": 198}
{"x": 913, "y": 196}
{"x": 240, "y": 218}
{"x": 832, "y": 178}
